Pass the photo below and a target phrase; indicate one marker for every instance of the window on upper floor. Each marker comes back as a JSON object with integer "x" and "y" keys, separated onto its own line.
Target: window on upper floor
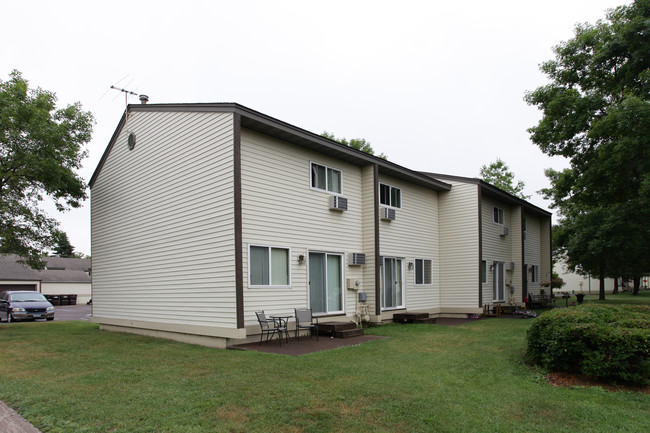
{"x": 325, "y": 178}
{"x": 498, "y": 215}
{"x": 268, "y": 266}
{"x": 423, "y": 271}
{"x": 390, "y": 196}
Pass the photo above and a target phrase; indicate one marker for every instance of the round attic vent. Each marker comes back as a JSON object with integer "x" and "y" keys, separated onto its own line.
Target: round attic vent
{"x": 131, "y": 141}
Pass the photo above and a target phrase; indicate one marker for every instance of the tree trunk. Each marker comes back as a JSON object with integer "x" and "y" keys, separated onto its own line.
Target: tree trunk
{"x": 601, "y": 275}
{"x": 637, "y": 285}
{"x": 615, "y": 291}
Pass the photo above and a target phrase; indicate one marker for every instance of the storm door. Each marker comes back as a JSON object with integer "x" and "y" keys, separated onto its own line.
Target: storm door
{"x": 498, "y": 285}
{"x": 392, "y": 279}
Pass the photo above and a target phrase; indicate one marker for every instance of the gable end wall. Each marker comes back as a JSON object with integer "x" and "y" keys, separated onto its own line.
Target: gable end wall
{"x": 163, "y": 227}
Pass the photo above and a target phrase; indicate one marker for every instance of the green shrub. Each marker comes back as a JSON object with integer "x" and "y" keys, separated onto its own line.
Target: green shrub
{"x": 609, "y": 342}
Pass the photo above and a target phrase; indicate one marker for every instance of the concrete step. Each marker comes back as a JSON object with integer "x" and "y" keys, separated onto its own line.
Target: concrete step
{"x": 332, "y": 328}
{"x": 412, "y": 318}
{"x": 348, "y": 333}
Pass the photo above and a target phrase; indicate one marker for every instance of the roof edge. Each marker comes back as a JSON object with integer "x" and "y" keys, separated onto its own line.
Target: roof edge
{"x": 492, "y": 190}
{"x": 255, "y": 117}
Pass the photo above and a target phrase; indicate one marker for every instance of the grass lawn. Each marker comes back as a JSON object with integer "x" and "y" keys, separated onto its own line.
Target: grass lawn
{"x": 72, "y": 377}
{"x": 643, "y": 298}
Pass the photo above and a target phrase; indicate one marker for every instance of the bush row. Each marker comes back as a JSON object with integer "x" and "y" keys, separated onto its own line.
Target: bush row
{"x": 609, "y": 342}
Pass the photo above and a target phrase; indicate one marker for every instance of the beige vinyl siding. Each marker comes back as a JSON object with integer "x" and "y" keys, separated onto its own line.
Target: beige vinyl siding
{"x": 514, "y": 277}
{"x": 279, "y": 208}
{"x": 459, "y": 245}
{"x": 414, "y": 234}
{"x": 532, "y": 251}
{"x": 496, "y": 248}
{"x": 162, "y": 223}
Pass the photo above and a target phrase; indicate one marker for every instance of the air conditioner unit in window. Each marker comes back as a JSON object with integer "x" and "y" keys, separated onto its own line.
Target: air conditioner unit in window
{"x": 387, "y": 214}
{"x": 505, "y": 231}
{"x": 357, "y": 259}
{"x": 511, "y": 266}
{"x": 338, "y": 203}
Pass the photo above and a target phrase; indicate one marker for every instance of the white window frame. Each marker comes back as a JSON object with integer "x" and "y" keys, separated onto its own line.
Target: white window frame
{"x": 500, "y": 217}
{"x": 327, "y": 171}
{"x": 266, "y": 286}
{"x": 390, "y": 196}
{"x": 415, "y": 276}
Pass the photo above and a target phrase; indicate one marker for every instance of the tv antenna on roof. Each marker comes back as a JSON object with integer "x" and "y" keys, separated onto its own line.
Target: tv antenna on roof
{"x": 143, "y": 99}
{"x": 128, "y": 92}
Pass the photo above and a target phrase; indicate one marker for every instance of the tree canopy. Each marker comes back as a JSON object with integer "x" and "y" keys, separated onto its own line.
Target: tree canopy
{"x": 499, "y": 175}
{"x": 40, "y": 149}
{"x": 596, "y": 113}
{"x": 356, "y": 143}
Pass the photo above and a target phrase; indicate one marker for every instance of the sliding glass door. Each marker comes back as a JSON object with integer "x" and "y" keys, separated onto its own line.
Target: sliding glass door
{"x": 325, "y": 283}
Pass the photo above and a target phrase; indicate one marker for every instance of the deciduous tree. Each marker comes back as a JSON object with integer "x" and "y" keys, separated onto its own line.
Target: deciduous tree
{"x": 356, "y": 143}
{"x": 499, "y": 175}
{"x": 596, "y": 113}
{"x": 40, "y": 151}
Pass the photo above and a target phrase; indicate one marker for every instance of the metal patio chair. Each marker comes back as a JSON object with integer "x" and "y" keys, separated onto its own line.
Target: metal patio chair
{"x": 267, "y": 326}
{"x": 305, "y": 320}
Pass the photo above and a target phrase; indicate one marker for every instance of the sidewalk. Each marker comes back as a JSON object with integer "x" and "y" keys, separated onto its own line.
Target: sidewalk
{"x": 11, "y": 422}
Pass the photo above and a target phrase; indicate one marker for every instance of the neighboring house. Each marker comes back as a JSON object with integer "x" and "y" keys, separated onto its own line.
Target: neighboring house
{"x": 62, "y": 276}
{"x": 576, "y": 283}
{"x": 203, "y": 214}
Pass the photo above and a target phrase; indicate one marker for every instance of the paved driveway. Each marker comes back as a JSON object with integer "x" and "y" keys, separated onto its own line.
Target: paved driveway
{"x": 68, "y": 312}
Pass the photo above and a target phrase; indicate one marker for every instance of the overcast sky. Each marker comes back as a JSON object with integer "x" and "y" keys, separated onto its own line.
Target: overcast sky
{"x": 436, "y": 86}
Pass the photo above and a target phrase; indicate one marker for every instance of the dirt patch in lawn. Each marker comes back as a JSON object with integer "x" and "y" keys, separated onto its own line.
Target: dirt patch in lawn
{"x": 568, "y": 380}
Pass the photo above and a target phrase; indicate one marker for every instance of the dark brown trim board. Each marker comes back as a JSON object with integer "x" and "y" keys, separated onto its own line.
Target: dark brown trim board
{"x": 550, "y": 252}
{"x": 375, "y": 188}
{"x": 239, "y": 255}
{"x": 524, "y": 275}
{"x": 480, "y": 246}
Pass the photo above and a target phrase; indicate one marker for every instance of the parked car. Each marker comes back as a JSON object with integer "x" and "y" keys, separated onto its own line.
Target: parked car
{"x": 24, "y": 305}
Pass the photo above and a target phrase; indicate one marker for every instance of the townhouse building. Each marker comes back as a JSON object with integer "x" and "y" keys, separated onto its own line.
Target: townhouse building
{"x": 203, "y": 214}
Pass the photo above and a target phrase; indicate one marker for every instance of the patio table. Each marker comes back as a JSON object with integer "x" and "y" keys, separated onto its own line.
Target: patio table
{"x": 282, "y": 325}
